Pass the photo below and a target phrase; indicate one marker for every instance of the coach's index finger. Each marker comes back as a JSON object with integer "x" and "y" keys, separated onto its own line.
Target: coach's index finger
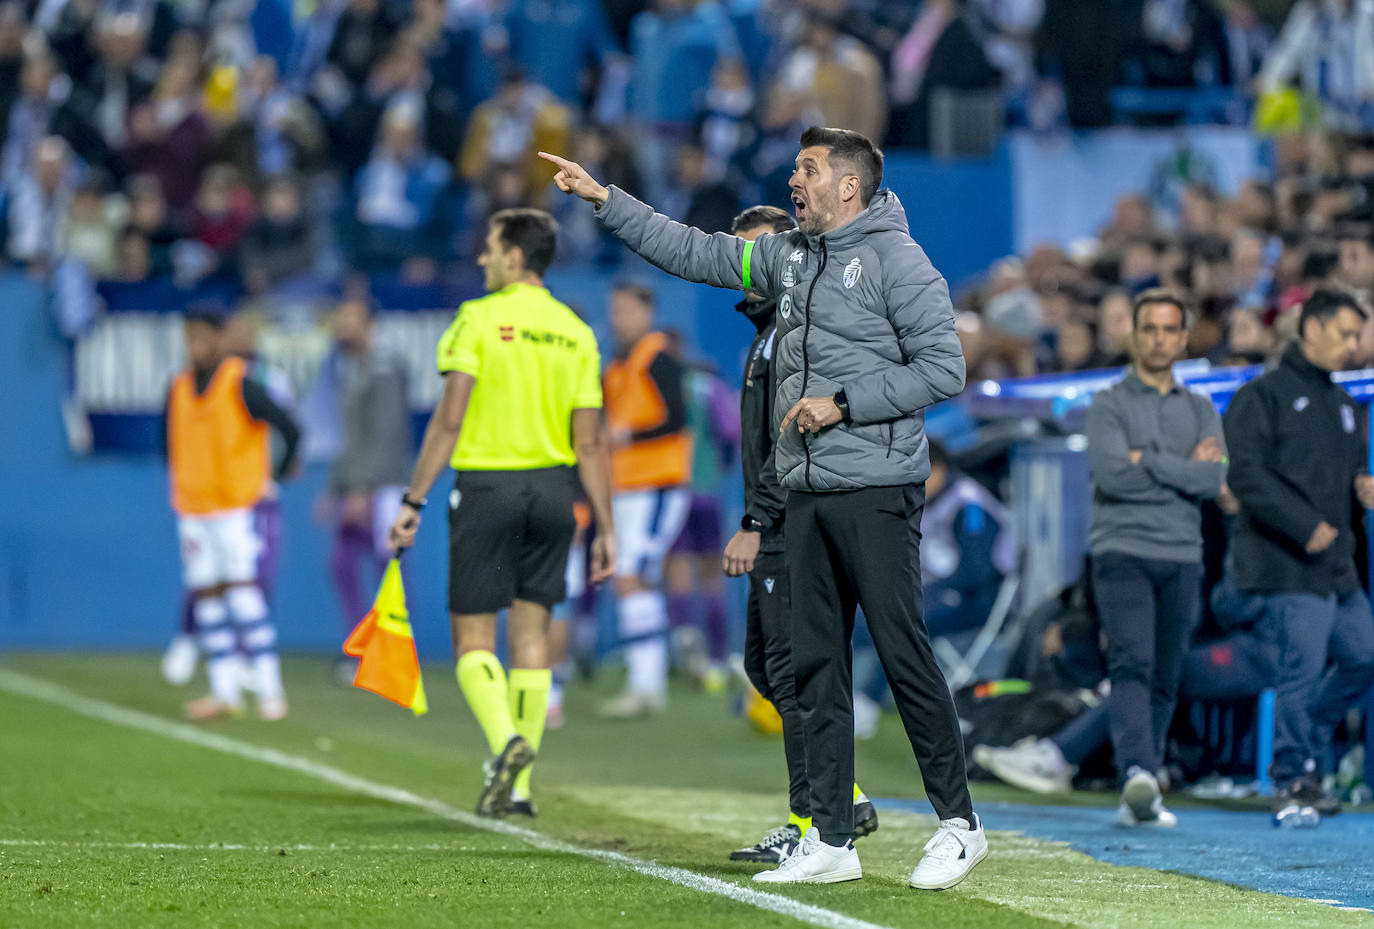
{"x": 558, "y": 160}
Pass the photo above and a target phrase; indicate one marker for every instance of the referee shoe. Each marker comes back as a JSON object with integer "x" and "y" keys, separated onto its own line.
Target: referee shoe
{"x": 501, "y": 773}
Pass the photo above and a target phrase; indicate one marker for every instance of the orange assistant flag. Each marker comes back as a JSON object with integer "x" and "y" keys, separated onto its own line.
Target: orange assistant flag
{"x": 385, "y": 647}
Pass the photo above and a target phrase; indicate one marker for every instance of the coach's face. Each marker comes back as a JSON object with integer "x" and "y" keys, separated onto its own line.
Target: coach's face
{"x": 818, "y": 189}
{"x": 1161, "y": 336}
{"x": 1332, "y": 344}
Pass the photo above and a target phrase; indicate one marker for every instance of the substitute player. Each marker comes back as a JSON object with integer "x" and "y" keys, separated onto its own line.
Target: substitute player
{"x": 521, "y": 407}
{"x": 757, "y": 550}
{"x": 218, "y": 453}
{"x": 651, "y": 465}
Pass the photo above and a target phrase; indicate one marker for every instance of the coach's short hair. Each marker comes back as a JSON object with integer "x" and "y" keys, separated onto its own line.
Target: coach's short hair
{"x": 778, "y": 220}
{"x": 534, "y": 232}
{"x": 1325, "y": 303}
{"x": 855, "y": 153}
{"x": 1159, "y": 295}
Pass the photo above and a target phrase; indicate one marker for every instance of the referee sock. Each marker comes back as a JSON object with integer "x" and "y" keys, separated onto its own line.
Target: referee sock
{"x": 483, "y": 682}
{"x": 529, "y": 707}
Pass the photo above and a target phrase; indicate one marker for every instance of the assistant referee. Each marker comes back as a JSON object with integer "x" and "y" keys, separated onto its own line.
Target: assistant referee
{"x": 521, "y": 408}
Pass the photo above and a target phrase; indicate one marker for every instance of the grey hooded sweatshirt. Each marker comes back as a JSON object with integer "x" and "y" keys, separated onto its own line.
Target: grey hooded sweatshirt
{"x": 859, "y": 308}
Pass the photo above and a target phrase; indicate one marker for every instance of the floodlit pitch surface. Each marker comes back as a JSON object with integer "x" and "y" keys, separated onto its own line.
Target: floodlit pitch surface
{"x": 113, "y": 813}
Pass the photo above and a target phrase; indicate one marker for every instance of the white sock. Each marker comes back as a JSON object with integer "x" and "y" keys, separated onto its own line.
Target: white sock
{"x": 217, "y": 640}
{"x": 644, "y": 616}
{"x": 258, "y": 639}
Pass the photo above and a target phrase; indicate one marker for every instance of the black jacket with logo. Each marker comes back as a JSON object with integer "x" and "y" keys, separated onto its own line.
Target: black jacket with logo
{"x": 1297, "y": 441}
{"x": 764, "y": 497}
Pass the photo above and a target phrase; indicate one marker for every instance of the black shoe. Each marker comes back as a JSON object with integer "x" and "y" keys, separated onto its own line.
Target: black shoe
{"x": 1307, "y": 791}
{"x": 865, "y": 818}
{"x": 523, "y": 808}
{"x": 501, "y": 773}
{"x": 772, "y": 848}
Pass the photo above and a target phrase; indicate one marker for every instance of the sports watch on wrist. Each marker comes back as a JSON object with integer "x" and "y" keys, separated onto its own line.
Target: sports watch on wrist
{"x": 842, "y": 401}
{"x": 750, "y": 524}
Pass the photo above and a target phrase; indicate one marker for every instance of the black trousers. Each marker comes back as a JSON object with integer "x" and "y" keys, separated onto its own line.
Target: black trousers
{"x": 863, "y": 548}
{"x": 1148, "y": 608}
{"x": 768, "y": 662}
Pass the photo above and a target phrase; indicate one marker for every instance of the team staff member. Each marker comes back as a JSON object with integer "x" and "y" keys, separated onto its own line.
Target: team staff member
{"x": 1156, "y": 453}
{"x": 1298, "y": 467}
{"x": 219, "y": 456}
{"x": 521, "y": 407}
{"x": 865, "y": 342}
{"x": 651, "y": 464}
{"x": 757, "y": 550}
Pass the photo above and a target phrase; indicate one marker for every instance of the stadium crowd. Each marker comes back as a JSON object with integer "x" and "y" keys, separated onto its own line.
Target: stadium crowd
{"x": 262, "y": 146}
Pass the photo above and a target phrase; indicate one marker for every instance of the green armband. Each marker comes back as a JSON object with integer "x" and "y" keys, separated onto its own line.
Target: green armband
{"x": 744, "y": 264}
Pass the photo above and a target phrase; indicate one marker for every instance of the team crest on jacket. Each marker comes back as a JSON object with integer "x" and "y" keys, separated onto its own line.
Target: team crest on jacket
{"x": 797, "y": 255}
{"x": 785, "y": 306}
{"x": 852, "y": 272}
{"x": 789, "y": 277}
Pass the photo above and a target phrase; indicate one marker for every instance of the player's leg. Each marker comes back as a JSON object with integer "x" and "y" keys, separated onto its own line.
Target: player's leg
{"x": 201, "y": 576}
{"x": 640, "y": 607}
{"x": 240, "y": 548}
{"x": 179, "y": 660}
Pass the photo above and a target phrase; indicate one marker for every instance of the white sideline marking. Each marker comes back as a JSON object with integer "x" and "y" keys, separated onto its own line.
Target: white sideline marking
{"x": 229, "y": 846}
{"x": 37, "y": 689}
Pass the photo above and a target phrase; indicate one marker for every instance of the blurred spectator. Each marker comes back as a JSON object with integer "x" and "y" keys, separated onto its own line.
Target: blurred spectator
{"x": 279, "y": 246}
{"x": 1355, "y": 266}
{"x": 362, "y": 35}
{"x": 1181, "y": 41}
{"x": 12, "y": 29}
{"x": 1080, "y": 45}
{"x": 135, "y": 260}
{"x": 565, "y": 45}
{"x": 939, "y": 52}
{"x": 1007, "y": 31}
{"x": 675, "y": 45}
{"x": 969, "y": 548}
{"x": 724, "y": 116}
{"x": 150, "y": 218}
{"x": 223, "y": 211}
{"x": 1076, "y": 345}
{"x": 1114, "y": 328}
{"x": 838, "y": 79}
{"x": 1326, "y": 47}
{"x": 120, "y": 78}
{"x": 699, "y": 202}
{"x": 38, "y": 213}
{"x": 511, "y": 128}
{"x": 40, "y": 109}
{"x": 1245, "y": 42}
{"x": 1133, "y": 218}
{"x": 93, "y": 225}
{"x": 397, "y": 192}
{"x": 168, "y": 134}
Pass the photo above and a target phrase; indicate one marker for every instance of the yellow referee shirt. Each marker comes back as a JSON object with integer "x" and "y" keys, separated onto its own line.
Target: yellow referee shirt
{"x": 535, "y": 362}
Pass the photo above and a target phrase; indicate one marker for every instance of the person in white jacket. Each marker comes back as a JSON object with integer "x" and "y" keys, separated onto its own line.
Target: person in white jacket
{"x": 1327, "y": 48}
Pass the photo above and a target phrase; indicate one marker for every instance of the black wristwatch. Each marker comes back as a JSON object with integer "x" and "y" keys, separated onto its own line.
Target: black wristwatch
{"x": 842, "y": 401}
{"x": 408, "y": 500}
{"x": 750, "y": 524}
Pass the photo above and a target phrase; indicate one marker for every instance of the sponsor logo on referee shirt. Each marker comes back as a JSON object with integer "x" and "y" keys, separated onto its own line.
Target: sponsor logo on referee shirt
{"x": 507, "y": 333}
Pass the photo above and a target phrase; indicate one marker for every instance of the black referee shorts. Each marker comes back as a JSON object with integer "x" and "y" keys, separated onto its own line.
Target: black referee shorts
{"x": 509, "y": 536}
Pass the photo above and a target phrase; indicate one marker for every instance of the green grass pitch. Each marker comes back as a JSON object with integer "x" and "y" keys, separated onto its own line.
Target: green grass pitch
{"x": 108, "y": 825}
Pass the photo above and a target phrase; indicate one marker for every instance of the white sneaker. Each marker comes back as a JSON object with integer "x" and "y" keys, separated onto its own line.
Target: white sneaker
{"x": 272, "y": 709}
{"x": 1032, "y": 764}
{"x": 814, "y": 862}
{"x": 951, "y": 854}
{"x": 1142, "y": 804}
{"x": 633, "y": 704}
{"x": 179, "y": 661}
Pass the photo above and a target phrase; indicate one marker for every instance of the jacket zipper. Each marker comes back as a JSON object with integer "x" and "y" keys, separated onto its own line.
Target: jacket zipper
{"x": 889, "y": 440}
{"x": 806, "y": 359}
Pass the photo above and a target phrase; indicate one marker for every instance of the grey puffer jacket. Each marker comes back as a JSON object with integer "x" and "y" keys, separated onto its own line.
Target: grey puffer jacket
{"x": 859, "y": 309}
